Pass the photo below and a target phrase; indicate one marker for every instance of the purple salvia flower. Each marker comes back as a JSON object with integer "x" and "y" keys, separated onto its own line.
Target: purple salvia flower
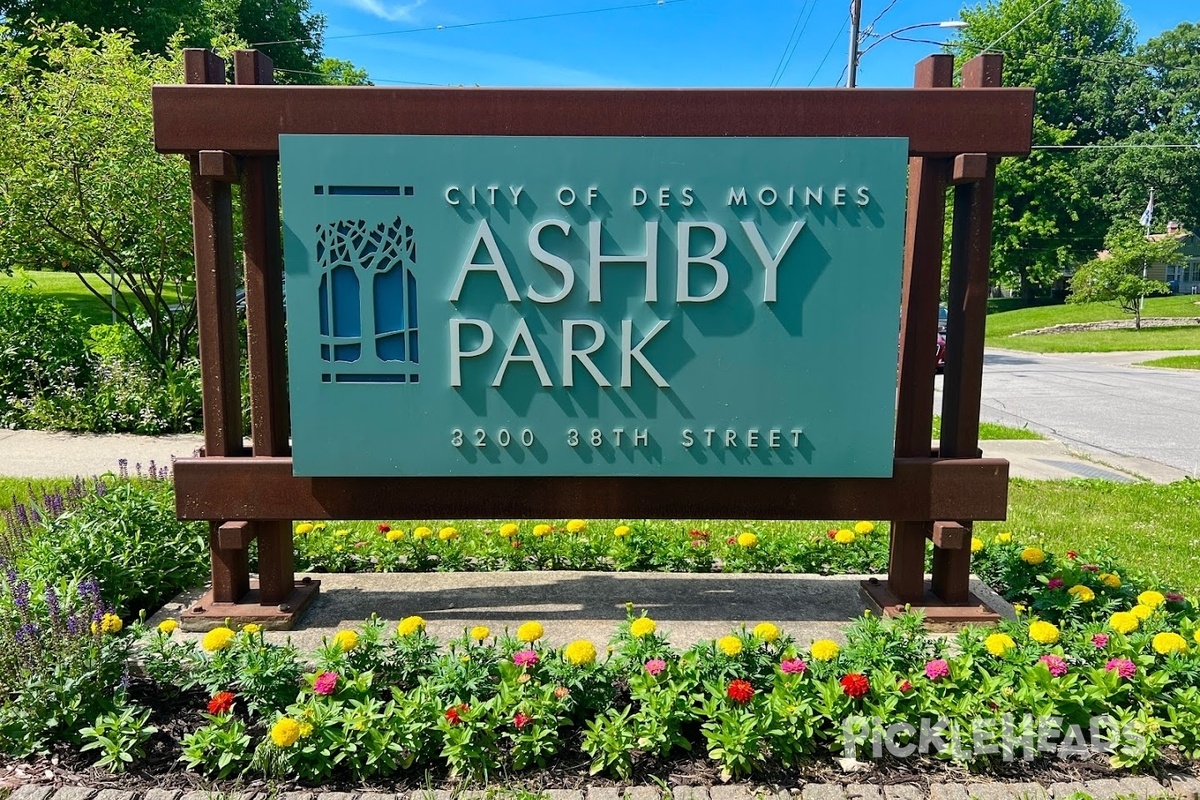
{"x": 138, "y": 468}
{"x": 22, "y": 514}
{"x": 123, "y": 467}
{"x": 26, "y": 634}
{"x": 153, "y": 469}
{"x": 72, "y": 625}
{"x": 20, "y": 594}
{"x": 52, "y": 602}
{"x": 34, "y": 515}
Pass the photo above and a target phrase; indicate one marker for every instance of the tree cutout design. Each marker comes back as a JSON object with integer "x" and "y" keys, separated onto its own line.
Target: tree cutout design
{"x": 380, "y": 302}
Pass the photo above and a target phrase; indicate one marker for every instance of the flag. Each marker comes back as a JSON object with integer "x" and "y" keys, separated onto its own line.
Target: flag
{"x": 1148, "y": 214}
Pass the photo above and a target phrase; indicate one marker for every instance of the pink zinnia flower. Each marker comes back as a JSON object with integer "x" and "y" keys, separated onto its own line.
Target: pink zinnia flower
{"x": 792, "y": 666}
{"x": 1100, "y": 640}
{"x": 521, "y": 719}
{"x": 525, "y": 658}
{"x": 1091, "y": 568}
{"x": 1174, "y": 597}
{"x": 937, "y": 669}
{"x": 1056, "y": 664}
{"x": 325, "y": 683}
{"x": 1054, "y": 583}
{"x": 655, "y": 666}
{"x": 1124, "y": 667}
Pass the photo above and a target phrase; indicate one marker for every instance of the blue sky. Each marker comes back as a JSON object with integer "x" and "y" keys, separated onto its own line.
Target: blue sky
{"x": 675, "y": 43}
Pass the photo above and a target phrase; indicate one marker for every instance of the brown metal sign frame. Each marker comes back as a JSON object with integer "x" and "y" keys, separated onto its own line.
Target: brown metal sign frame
{"x": 230, "y": 134}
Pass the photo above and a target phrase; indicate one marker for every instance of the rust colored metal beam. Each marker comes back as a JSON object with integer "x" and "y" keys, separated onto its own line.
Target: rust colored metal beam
{"x": 918, "y": 337}
{"x": 235, "y": 535}
{"x": 248, "y": 120}
{"x": 970, "y": 167}
{"x": 265, "y": 329}
{"x": 263, "y": 488}
{"x": 212, "y": 226}
{"x": 950, "y": 535}
{"x": 218, "y": 165}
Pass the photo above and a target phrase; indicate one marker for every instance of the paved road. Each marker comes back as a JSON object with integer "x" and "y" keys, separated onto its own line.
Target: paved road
{"x": 1140, "y": 419}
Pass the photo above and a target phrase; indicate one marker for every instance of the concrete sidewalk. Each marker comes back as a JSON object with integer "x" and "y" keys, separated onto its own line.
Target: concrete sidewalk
{"x": 39, "y": 454}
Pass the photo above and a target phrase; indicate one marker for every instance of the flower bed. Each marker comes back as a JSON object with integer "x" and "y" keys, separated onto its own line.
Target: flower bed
{"x": 1097, "y": 661}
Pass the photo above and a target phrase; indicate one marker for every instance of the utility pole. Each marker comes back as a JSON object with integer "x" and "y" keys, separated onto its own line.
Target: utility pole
{"x": 852, "y": 67}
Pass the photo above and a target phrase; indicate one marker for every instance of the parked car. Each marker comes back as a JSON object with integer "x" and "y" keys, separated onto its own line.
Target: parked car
{"x": 941, "y": 351}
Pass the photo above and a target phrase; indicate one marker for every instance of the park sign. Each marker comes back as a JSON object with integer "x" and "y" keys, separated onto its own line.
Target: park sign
{"x": 592, "y": 306}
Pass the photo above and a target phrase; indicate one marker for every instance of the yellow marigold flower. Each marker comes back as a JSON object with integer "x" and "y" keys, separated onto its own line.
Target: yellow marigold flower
{"x": 285, "y": 732}
{"x": 480, "y": 632}
{"x": 410, "y": 625}
{"x": 1084, "y": 593}
{"x": 342, "y": 532}
{"x": 730, "y": 645}
{"x": 530, "y": 632}
{"x": 766, "y": 631}
{"x": 1004, "y": 538}
{"x": 509, "y": 529}
{"x": 306, "y": 730}
{"x": 305, "y": 528}
{"x": 1111, "y": 580}
{"x": 642, "y": 626}
{"x": 621, "y": 531}
{"x": 347, "y": 640}
{"x": 1151, "y": 598}
{"x": 998, "y": 644}
{"x": 1141, "y": 612}
{"x": 1019, "y": 608}
{"x": 109, "y": 623}
{"x": 1123, "y": 622}
{"x": 747, "y": 539}
{"x": 844, "y": 536}
{"x": 1196, "y": 635}
{"x": 825, "y": 649}
{"x": 580, "y": 653}
{"x": 576, "y": 525}
{"x": 394, "y": 536}
{"x": 422, "y": 533}
{"x": 251, "y": 628}
{"x": 217, "y": 639}
{"x": 1033, "y": 555}
{"x": 167, "y": 626}
{"x": 446, "y": 534}
{"x": 542, "y": 530}
{"x": 320, "y": 526}
{"x": 1043, "y": 632}
{"x": 976, "y": 544}
{"x": 1166, "y": 643}
{"x": 864, "y": 527}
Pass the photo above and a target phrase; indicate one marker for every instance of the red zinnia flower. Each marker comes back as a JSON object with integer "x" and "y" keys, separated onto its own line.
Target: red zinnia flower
{"x": 1071, "y": 554}
{"x": 731, "y": 540}
{"x": 454, "y": 713}
{"x": 740, "y": 691}
{"x": 905, "y": 687}
{"x": 220, "y": 703}
{"x": 521, "y": 720}
{"x": 855, "y": 684}
{"x": 383, "y": 527}
{"x": 832, "y": 532}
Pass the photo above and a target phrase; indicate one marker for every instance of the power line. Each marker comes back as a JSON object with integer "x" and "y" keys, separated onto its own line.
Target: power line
{"x": 788, "y": 47}
{"x": 796, "y": 44}
{"x": 832, "y": 44}
{"x": 1004, "y": 35}
{"x": 481, "y": 23}
{"x": 1115, "y": 146}
{"x": 871, "y": 27}
{"x": 1120, "y": 62}
{"x": 373, "y": 79}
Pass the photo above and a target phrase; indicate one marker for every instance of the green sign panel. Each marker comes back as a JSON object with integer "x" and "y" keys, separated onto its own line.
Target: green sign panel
{"x": 462, "y": 305}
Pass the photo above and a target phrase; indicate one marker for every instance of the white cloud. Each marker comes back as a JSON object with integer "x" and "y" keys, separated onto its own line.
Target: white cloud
{"x": 398, "y": 12}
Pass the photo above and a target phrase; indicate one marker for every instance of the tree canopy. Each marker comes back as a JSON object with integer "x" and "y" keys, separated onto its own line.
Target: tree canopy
{"x": 1105, "y": 110}
{"x": 1116, "y": 274}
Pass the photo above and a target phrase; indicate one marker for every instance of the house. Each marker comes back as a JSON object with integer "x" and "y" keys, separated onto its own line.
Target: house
{"x": 1183, "y": 277}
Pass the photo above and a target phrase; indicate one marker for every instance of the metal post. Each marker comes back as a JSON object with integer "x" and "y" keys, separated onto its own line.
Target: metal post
{"x": 852, "y": 67}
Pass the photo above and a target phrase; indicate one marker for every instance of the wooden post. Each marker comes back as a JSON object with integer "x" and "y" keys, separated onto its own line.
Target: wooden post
{"x": 970, "y": 257}
{"x": 918, "y": 336}
{"x": 212, "y": 224}
{"x": 266, "y": 336}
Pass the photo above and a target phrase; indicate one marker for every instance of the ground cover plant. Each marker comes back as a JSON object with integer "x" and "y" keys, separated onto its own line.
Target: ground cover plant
{"x": 1174, "y": 362}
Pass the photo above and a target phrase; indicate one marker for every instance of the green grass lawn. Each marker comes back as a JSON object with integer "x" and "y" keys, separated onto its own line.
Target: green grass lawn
{"x": 1182, "y": 338}
{"x": 1152, "y": 528}
{"x": 1027, "y": 319}
{"x": 66, "y": 288}
{"x": 992, "y": 430}
{"x": 1000, "y": 328}
{"x": 1174, "y": 362}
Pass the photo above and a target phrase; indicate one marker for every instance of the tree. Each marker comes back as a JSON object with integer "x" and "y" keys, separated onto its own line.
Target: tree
{"x": 292, "y": 32}
{"x": 1115, "y": 276}
{"x": 81, "y": 187}
{"x": 1047, "y": 215}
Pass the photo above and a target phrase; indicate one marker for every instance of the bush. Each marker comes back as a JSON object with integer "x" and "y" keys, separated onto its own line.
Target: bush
{"x": 42, "y": 349}
{"x": 127, "y": 537}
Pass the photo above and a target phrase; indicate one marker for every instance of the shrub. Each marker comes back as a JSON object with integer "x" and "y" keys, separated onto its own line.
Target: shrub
{"x": 42, "y": 349}
{"x": 127, "y": 537}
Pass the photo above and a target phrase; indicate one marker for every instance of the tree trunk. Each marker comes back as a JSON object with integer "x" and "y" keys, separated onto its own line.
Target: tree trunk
{"x": 1137, "y": 316}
